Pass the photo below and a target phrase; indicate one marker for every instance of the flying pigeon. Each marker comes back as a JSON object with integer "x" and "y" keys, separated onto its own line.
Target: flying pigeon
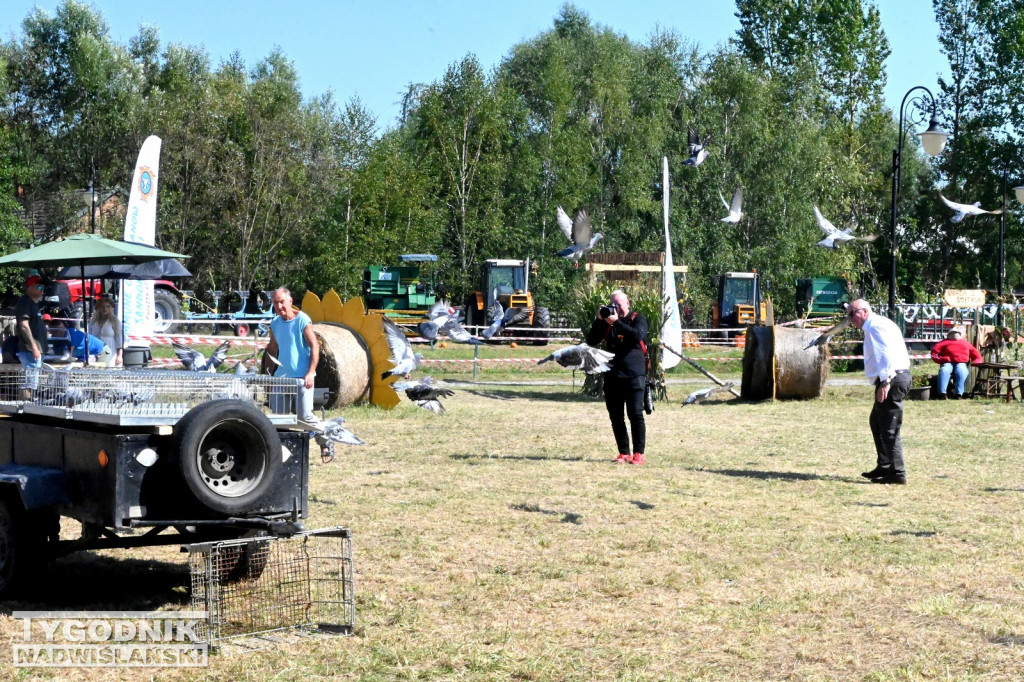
{"x": 735, "y": 209}
{"x": 444, "y": 321}
{"x": 964, "y": 210}
{"x": 404, "y": 360}
{"x": 424, "y": 394}
{"x": 834, "y": 236}
{"x": 827, "y": 335}
{"x": 194, "y": 361}
{"x": 698, "y": 149}
{"x": 334, "y": 430}
{"x": 698, "y": 396}
{"x": 580, "y": 232}
{"x": 582, "y": 356}
{"x": 497, "y": 319}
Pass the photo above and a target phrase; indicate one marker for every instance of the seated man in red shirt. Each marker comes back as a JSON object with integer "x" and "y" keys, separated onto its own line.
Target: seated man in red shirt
{"x": 953, "y": 353}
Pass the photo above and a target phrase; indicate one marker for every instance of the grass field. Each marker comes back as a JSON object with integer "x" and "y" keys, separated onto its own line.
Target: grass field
{"x": 499, "y": 542}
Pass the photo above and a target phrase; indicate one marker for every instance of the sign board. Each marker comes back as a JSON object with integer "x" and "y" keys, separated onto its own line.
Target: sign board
{"x": 964, "y": 298}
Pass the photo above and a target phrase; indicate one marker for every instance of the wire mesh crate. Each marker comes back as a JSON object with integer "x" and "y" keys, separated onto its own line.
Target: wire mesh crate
{"x": 138, "y": 397}
{"x": 258, "y": 585}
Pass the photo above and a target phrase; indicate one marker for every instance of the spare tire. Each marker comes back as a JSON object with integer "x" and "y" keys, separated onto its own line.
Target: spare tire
{"x": 229, "y": 455}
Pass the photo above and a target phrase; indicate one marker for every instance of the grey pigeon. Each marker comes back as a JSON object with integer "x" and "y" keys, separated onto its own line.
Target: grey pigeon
{"x": 964, "y": 210}
{"x": 497, "y": 319}
{"x": 194, "y": 361}
{"x": 827, "y": 335}
{"x": 698, "y": 148}
{"x": 444, "y": 321}
{"x": 735, "y": 209}
{"x": 590, "y": 360}
{"x": 334, "y": 430}
{"x": 580, "y": 232}
{"x": 834, "y": 237}
{"x": 424, "y": 394}
{"x": 404, "y": 360}
{"x": 698, "y": 396}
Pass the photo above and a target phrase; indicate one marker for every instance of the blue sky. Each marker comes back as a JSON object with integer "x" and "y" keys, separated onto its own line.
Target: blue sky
{"x": 373, "y": 50}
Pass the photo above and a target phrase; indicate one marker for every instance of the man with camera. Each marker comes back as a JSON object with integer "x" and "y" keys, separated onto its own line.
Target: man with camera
{"x": 624, "y": 333}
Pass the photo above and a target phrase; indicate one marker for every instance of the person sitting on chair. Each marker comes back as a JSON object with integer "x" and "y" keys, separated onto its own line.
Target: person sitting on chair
{"x": 953, "y": 355}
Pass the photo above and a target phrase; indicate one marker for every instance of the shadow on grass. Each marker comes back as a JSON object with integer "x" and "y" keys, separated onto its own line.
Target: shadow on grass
{"x": 872, "y": 504}
{"x": 564, "y": 397}
{"x": 536, "y": 458}
{"x": 641, "y": 505}
{"x": 567, "y": 517}
{"x": 1003, "y": 490}
{"x": 771, "y": 475}
{"x": 915, "y": 533}
{"x": 1008, "y": 640}
{"x": 96, "y": 582}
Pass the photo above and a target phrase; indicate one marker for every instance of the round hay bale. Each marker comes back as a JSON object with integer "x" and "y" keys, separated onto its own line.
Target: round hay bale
{"x": 778, "y": 364}
{"x": 344, "y": 367}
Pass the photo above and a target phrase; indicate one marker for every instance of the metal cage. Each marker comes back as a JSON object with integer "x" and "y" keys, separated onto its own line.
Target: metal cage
{"x": 257, "y": 585}
{"x": 138, "y": 397}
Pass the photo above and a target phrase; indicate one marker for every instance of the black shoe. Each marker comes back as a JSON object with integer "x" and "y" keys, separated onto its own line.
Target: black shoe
{"x": 891, "y": 479}
{"x": 942, "y": 396}
{"x": 876, "y": 472}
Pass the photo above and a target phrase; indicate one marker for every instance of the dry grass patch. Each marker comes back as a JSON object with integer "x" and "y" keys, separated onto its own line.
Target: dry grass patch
{"x": 500, "y": 543}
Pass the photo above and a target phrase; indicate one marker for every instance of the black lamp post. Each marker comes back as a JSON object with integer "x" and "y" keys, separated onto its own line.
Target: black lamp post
{"x": 934, "y": 141}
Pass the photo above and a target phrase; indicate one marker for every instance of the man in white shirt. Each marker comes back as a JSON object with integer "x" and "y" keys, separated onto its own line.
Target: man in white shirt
{"x": 887, "y": 365}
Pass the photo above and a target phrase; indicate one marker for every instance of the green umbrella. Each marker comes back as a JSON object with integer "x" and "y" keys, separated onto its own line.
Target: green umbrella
{"x": 82, "y": 250}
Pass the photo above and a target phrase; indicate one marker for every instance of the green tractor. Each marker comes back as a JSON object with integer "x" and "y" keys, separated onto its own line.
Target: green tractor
{"x": 824, "y": 296}
{"x": 509, "y": 280}
{"x": 402, "y": 292}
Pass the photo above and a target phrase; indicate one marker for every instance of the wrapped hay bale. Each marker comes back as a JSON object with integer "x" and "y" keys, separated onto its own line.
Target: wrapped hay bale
{"x": 778, "y": 364}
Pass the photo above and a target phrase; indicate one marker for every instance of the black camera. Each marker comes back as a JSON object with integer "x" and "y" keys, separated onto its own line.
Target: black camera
{"x": 608, "y": 310}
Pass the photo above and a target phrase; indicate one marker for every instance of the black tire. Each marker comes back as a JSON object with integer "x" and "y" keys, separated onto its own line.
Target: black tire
{"x": 244, "y": 562}
{"x": 168, "y": 307}
{"x": 228, "y": 454}
{"x": 79, "y": 311}
{"x": 242, "y": 329}
{"x": 542, "y": 325}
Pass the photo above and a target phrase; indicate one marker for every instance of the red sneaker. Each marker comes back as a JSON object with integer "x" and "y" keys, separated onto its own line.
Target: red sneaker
{"x": 638, "y": 458}
{"x": 624, "y": 459}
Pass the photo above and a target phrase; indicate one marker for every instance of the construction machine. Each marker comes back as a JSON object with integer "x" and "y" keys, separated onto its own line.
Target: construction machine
{"x": 508, "y": 280}
{"x": 738, "y": 301}
{"x": 822, "y": 296}
{"x": 402, "y": 292}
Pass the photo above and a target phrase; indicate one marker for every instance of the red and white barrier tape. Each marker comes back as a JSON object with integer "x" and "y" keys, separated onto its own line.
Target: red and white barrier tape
{"x": 189, "y": 339}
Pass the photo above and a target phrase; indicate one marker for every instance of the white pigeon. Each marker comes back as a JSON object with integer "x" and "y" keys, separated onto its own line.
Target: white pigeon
{"x": 334, "y": 430}
{"x": 194, "y": 361}
{"x": 964, "y": 210}
{"x": 735, "y": 209}
{"x": 497, "y": 319}
{"x": 698, "y": 148}
{"x": 827, "y": 335}
{"x": 402, "y": 357}
{"x": 424, "y": 394}
{"x": 580, "y": 232}
{"x": 703, "y": 393}
{"x": 590, "y": 360}
{"x": 834, "y": 237}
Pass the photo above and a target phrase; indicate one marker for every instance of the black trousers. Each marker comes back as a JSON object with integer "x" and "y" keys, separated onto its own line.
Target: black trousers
{"x": 626, "y": 393}
{"x": 886, "y": 421}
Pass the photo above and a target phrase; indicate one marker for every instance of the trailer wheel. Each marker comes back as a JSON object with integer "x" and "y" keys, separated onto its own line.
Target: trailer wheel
{"x": 242, "y": 329}
{"x": 168, "y": 308}
{"x": 229, "y": 455}
{"x": 244, "y": 562}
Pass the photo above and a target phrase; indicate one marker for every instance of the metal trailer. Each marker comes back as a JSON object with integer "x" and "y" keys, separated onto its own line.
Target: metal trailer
{"x": 143, "y": 458}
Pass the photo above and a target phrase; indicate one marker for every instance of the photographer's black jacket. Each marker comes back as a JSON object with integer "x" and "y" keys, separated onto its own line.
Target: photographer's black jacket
{"x": 622, "y": 338}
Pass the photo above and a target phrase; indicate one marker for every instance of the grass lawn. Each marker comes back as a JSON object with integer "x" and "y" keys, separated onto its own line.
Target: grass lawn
{"x": 499, "y": 542}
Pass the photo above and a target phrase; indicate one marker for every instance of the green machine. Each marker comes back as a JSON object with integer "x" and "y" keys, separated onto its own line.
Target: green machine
{"x": 821, "y": 296}
{"x": 401, "y": 291}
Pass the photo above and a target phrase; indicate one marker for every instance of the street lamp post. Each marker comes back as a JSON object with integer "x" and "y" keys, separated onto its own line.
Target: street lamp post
{"x": 934, "y": 141}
